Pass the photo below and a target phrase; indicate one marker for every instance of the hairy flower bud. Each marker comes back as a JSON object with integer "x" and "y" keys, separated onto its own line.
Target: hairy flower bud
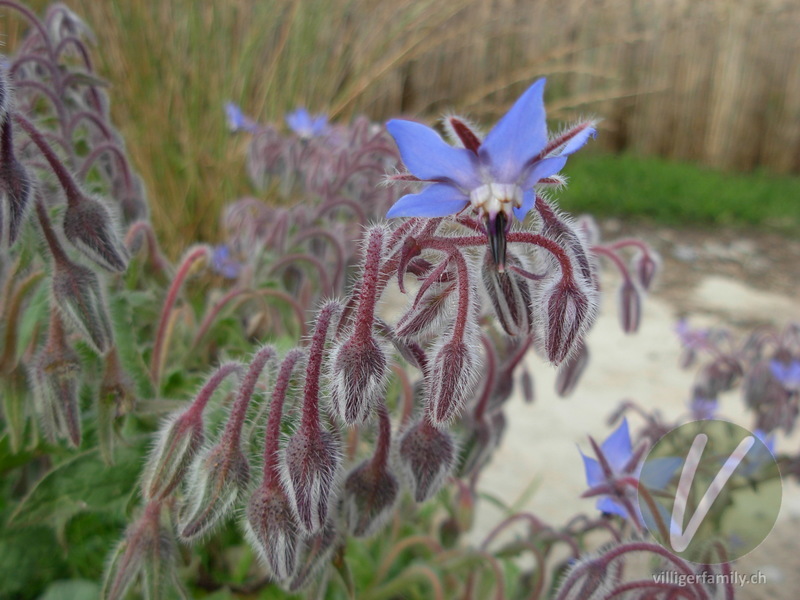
{"x": 271, "y": 529}
{"x": 89, "y": 227}
{"x": 476, "y": 447}
{"x": 509, "y": 294}
{"x": 16, "y": 187}
{"x": 179, "y": 440}
{"x": 569, "y": 310}
{"x": 570, "y": 371}
{"x": 528, "y": 388}
{"x": 450, "y": 382}
{"x": 370, "y": 494}
{"x": 55, "y": 377}
{"x": 358, "y": 377}
{"x": 630, "y": 307}
{"x": 428, "y": 455}
{"x": 371, "y": 490}
{"x": 78, "y": 295}
{"x": 312, "y": 461}
{"x": 216, "y": 478}
{"x": 147, "y": 551}
{"x": 646, "y": 266}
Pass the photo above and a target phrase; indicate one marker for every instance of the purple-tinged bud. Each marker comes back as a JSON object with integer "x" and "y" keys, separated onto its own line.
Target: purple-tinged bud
{"x": 147, "y": 551}
{"x": 312, "y": 455}
{"x": 312, "y": 462}
{"x": 88, "y": 225}
{"x": 430, "y": 308}
{"x": 528, "y": 388}
{"x": 270, "y": 525}
{"x": 646, "y": 266}
{"x": 450, "y": 380}
{"x": 77, "y": 294}
{"x": 314, "y": 556}
{"x": 179, "y": 440}
{"x": 630, "y": 307}
{"x": 371, "y": 490}
{"x": 271, "y": 529}
{"x": 509, "y": 294}
{"x": 358, "y": 378}
{"x": 5, "y": 94}
{"x": 571, "y": 370}
{"x": 569, "y": 310}
{"x": 16, "y": 187}
{"x": 427, "y": 455}
{"x": 216, "y": 478}
{"x": 718, "y": 376}
{"x": 55, "y": 374}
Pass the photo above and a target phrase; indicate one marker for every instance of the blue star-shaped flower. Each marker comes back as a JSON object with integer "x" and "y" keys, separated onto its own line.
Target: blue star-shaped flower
{"x": 495, "y": 176}
{"x": 305, "y": 125}
{"x": 237, "y": 120}
{"x": 617, "y": 464}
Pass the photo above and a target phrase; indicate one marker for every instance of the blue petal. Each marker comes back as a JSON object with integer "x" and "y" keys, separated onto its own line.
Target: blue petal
{"x": 617, "y": 447}
{"x": 608, "y": 505}
{"x": 543, "y": 168}
{"x": 518, "y": 137}
{"x": 437, "y": 200}
{"x": 594, "y": 473}
{"x": 299, "y": 121}
{"x": 427, "y": 156}
{"x": 577, "y": 142}
{"x": 528, "y": 202}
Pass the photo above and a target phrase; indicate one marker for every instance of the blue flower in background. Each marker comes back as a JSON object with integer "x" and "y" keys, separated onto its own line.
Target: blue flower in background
{"x": 238, "y": 121}
{"x": 617, "y": 462}
{"x": 787, "y": 372}
{"x": 495, "y": 176}
{"x": 305, "y": 125}
{"x": 223, "y": 263}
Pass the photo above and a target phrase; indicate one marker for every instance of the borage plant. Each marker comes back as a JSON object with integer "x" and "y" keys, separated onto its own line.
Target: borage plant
{"x": 320, "y": 441}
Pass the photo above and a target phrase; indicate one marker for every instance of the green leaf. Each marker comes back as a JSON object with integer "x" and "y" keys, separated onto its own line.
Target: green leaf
{"x": 129, "y": 353}
{"x": 83, "y": 483}
{"x": 22, "y": 567}
{"x": 78, "y": 589}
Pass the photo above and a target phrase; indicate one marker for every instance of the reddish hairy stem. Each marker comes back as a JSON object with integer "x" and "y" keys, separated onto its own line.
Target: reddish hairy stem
{"x": 172, "y": 295}
{"x": 272, "y": 475}
{"x": 316, "y": 350}
{"x": 369, "y": 292}
{"x": 195, "y": 411}
{"x": 233, "y": 428}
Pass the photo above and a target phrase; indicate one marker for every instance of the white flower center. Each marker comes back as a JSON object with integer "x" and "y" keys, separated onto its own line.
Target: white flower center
{"x": 492, "y": 198}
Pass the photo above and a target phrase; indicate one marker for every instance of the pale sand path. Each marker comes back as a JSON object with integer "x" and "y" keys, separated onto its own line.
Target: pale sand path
{"x": 541, "y": 441}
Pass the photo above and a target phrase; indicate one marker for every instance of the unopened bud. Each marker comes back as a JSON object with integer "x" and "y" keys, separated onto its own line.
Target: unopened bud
{"x": 450, "y": 382}
{"x": 312, "y": 460}
{"x": 16, "y": 187}
{"x": 147, "y": 552}
{"x": 630, "y": 307}
{"x": 216, "y": 478}
{"x": 431, "y": 305}
{"x": 56, "y": 373}
{"x": 528, "y": 388}
{"x": 569, "y": 311}
{"x": 428, "y": 455}
{"x": 271, "y": 529}
{"x": 510, "y": 295}
{"x": 358, "y": 378}
{"x": 570, "y": 371}
{"x": 646, "y": 266}
{"x": 179, "y": 440}
{"x": 89, "y": 227}
{"x": 78, "y": 295}
{"x": 370, "y": 493}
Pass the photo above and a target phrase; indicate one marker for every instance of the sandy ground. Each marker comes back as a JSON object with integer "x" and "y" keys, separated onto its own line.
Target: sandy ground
{"x": 718, "y": 278}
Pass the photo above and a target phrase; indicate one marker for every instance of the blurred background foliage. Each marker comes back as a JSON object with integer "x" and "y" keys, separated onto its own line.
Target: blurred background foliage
{"x": 709, "y": 82}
